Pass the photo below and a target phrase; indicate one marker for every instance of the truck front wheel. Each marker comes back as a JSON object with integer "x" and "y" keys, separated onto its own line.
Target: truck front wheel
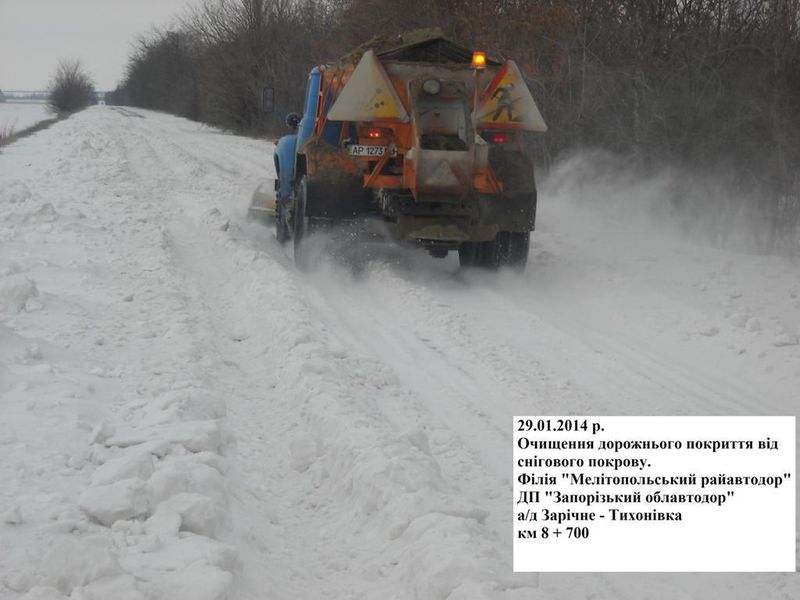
{"x": 281, "y": 225}
{"x": 301, "y": 228}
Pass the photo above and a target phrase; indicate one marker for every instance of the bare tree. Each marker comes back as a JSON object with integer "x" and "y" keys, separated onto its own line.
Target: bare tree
{"x": 163, "y": 74}
{"x": 71, "y": 88}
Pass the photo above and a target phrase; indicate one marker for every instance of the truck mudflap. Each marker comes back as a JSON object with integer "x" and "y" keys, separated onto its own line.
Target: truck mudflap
{"x": 512, "y": 212}
{"x": 335, "y": 183}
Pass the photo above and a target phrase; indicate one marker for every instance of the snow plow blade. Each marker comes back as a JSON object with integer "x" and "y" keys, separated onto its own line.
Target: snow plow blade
{"x": 262, "y": 204}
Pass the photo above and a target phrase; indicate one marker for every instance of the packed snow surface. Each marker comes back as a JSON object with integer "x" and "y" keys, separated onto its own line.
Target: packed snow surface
{"x": 16, "y": 116}
{"x": 187, "y": 417}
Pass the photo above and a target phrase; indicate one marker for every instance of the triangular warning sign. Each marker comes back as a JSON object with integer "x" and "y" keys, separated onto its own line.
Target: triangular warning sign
{"x": 368, "y": 95}
{"x": 442, "y": 176}
{"x": 507, "y": 103}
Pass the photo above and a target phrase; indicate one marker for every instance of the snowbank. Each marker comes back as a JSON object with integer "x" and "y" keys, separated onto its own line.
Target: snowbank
{"x": 113, "y": 435}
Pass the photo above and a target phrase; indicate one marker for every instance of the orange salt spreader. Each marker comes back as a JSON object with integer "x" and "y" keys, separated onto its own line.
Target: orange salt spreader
{"x": 418, "y": 134}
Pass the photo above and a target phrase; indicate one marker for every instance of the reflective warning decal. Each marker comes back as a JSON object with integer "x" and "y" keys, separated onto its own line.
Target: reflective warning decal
{"x": 507, "y": 103}
{"x": 368, "y": 95}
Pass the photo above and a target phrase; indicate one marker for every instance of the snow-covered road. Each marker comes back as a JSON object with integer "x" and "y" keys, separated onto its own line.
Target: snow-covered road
{"x": 185, "y": 416}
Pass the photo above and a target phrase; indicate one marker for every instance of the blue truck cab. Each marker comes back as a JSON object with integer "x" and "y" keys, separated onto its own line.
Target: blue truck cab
{"x": 288, "y": 146}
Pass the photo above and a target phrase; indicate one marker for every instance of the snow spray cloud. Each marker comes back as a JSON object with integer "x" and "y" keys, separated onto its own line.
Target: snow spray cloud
{"x": 708, "y": 207}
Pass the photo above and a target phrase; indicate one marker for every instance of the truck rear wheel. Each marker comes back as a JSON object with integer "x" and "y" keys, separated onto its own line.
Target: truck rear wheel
{"x": 512, "y": 249}
{"x": 508, "y": 249}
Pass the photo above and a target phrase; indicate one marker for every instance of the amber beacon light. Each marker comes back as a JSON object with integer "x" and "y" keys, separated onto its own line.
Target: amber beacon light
{"x": 479, "y": 60}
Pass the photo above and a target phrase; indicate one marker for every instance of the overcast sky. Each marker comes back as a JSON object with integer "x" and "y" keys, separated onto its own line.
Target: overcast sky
{"x": 36, "y": 34}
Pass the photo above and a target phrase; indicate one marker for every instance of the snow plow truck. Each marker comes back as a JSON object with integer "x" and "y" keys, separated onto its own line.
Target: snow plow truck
{"x": 419, "y": 136}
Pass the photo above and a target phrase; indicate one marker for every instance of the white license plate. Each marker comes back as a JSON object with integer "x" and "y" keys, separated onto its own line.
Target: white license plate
{"x": 361, "y": 150}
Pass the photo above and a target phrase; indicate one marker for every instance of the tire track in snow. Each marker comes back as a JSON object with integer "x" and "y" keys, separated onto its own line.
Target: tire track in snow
{"x": 618, "y": 369}
{"x": 378, "y": 490}
{"x": 337, "y": 410}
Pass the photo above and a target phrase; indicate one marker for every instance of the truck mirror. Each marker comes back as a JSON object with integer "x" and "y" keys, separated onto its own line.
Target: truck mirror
{"x": 267, "y": 99}
{"x": 292, "y": 120}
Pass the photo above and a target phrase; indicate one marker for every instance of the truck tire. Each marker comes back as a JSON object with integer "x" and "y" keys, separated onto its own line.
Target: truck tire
{"x": 301, "y": 226}
{"x": 472, "y": 254}
{"x": 508, "y": 249}
{"x": 281, "y": 226}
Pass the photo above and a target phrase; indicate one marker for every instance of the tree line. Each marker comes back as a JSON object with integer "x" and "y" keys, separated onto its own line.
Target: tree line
{"x": 708, "y": 85}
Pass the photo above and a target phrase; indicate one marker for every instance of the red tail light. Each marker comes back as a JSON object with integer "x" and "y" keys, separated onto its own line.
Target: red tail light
{"x": 499, "y": 138}
{"x": 374, "y": 133}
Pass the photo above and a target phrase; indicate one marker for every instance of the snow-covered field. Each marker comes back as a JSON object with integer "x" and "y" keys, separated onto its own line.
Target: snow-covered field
{"x": 186, "y": 417}
{"x": 16, "y": 116}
